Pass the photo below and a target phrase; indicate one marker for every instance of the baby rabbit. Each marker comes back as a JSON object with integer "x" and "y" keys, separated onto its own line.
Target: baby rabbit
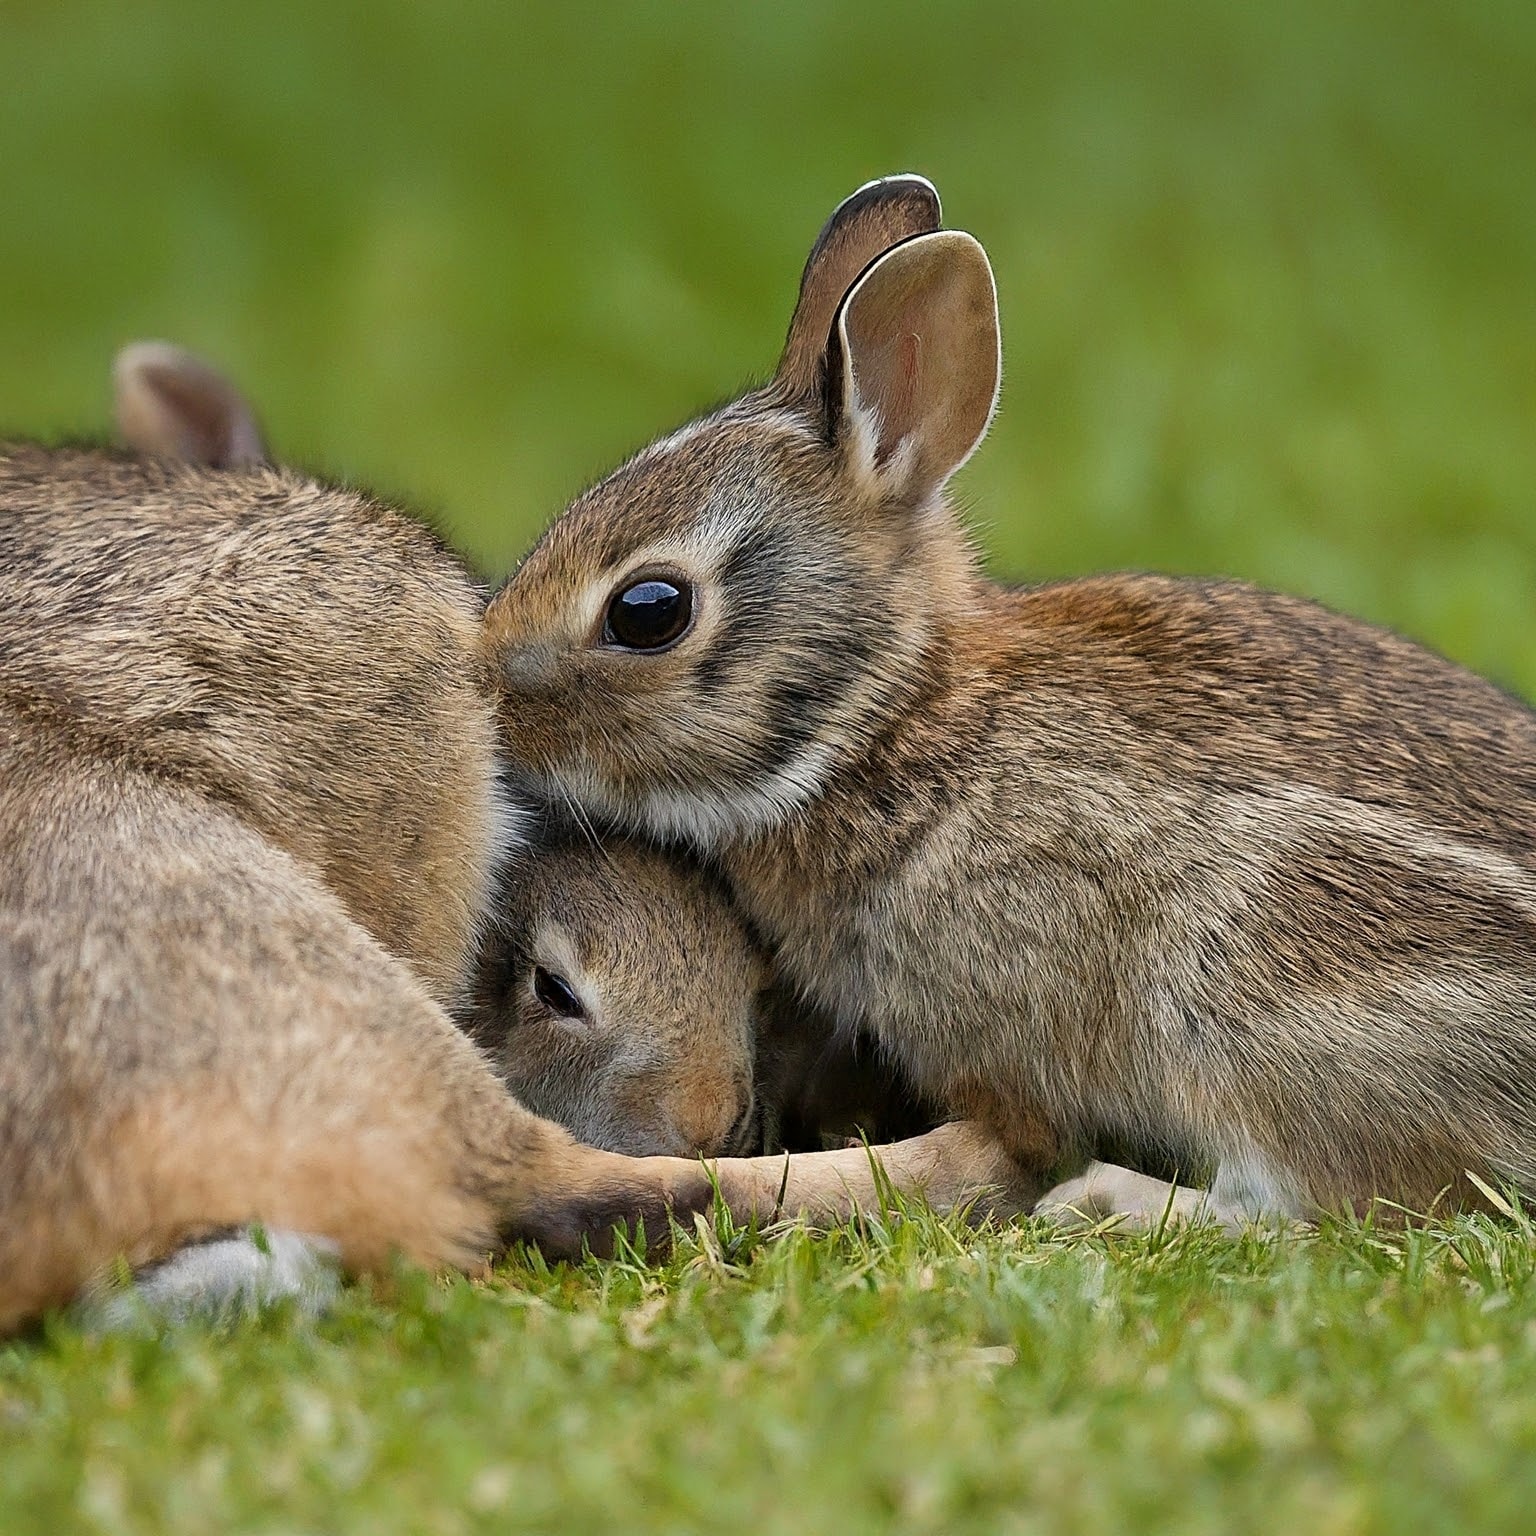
{"x": 617, "y": 992}
{"x": 1180, "y": 865}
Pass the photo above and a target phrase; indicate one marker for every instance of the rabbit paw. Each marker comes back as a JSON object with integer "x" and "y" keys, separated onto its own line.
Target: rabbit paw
{"x": 1108, "y": 1195}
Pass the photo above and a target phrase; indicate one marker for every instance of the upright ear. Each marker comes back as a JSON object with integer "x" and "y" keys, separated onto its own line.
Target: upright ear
{"x": 879, "y": 215}
{"x": 915, "y": 361}
{"x": 172, "y": 404}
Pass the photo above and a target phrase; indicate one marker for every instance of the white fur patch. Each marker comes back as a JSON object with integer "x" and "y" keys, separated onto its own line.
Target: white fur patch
{"x": 556, "y": 951}
{"x": 708, "y": 818}
{"x": 862, "y": 426}
{"x": 507, "y": 822}
{"x": 224, "y": 1280}
{"x": 683, "y": 435}
{"x": 789, "y": 422}
{"x": 1252, "y": 1184}
{"x": 507, "y": 830}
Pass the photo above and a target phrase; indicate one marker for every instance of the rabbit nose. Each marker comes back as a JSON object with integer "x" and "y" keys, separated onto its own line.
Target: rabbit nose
{"x": 528, "y": 666}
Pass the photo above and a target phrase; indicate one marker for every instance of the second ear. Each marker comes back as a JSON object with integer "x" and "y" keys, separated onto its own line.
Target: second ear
{"x": 171, "y": 404}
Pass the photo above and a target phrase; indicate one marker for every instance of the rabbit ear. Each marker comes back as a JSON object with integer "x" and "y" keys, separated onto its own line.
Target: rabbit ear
{"x": 879, "y": 215}
{"x": 172, "y": 404}
{"x": 915, "y": 361}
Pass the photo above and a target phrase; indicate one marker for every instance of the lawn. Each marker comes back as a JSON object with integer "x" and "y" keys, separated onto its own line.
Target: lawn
{"x": 910, "y": 1377}
{"x": 1268, "y": 278}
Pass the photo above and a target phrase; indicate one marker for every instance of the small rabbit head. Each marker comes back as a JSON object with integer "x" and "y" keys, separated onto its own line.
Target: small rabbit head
{"x": 617, "y": 992}
{"x": 692, "y": 647}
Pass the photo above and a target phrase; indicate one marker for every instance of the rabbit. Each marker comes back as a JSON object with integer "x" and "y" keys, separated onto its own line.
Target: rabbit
{"x": 254, "y": 822}
{"x": 1126, "y": 861}
{"x": 250, "y": 810}
{"x": 618, "y": 992}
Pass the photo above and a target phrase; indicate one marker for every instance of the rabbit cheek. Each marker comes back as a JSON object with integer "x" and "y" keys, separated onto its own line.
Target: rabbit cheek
{"x": 556, "y": 1075}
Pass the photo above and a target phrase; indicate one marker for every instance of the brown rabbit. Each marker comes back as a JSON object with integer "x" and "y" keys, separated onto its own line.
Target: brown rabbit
{"x": 249, "y": 808}
{"x": 618, "y": 992}
{"x": 251, "y": 824}
{"x": 1179, "y": 865}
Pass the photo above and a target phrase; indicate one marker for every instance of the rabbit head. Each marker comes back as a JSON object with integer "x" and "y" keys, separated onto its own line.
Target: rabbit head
{"x": 617, "y": 992}
{"x": 696, "y": 643}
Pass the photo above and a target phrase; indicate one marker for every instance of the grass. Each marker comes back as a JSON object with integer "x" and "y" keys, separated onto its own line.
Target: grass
{"x": 912, "y": 1377}
{"x": 1269, "y": 310}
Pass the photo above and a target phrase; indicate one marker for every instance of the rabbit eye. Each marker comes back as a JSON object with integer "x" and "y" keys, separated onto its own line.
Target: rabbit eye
{"x": 649, "y": 614}
{"x": 556, "y": 994}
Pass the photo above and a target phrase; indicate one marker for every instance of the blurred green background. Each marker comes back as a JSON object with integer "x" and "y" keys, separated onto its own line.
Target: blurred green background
{"x": 1268, "y": 273}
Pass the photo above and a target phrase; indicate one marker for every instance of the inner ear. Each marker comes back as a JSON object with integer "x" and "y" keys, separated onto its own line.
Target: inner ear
{"x": 171, "y": 404}
{"x": 879, "y": 215}
{"x": 915, "y": 361}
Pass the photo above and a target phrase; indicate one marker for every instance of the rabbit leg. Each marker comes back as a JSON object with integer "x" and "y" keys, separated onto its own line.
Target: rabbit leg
{"x": 1105, "y": 1192}
{"x": 949, "y": 1167}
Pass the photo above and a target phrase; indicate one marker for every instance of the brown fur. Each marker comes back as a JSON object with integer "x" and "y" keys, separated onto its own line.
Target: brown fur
{"x": 660, "y": 1059}
{"x": 150, "y": 618}
{"x": 681, "y": 1046}
{"x": 1128, "y": 861}
{"x": 246, "y": 770}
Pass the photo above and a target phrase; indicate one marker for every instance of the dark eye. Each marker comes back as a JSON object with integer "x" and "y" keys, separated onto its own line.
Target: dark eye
{"x": 556, "y": 994}
{"x": 649, "y": 614}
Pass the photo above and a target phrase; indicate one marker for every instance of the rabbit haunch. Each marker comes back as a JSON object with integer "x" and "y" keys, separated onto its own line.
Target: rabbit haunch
{"x": 1123, "y": 861}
